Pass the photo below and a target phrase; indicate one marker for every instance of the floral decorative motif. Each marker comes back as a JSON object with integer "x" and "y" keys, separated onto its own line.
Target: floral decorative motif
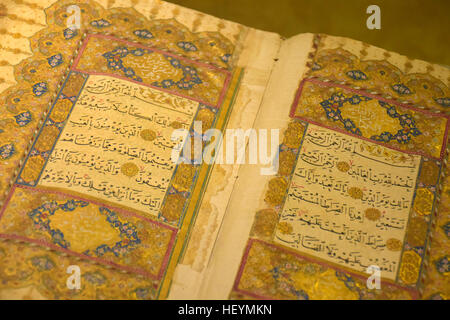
{"x": 190, "y": 77}
{"x": 6, "y": 151}
{"x": 286, "y": 162}
{"x": 343, "y": 166}
{"x": 443, "y": 266}
{"x": 445, "y": 102}
{"x": 423, "y": 202}
{"x": 352, "y": 285}
{"x": 417, "y": 231}
{"x": 403, "y": 135}
{"x": 114, "y": 60}
{"x": 269, "y": 271}
{"x": 355, "y": 193}
{"x": 401, "y": 89}
{"x": 42, "y": 263}
{"x": 31, "y": 171}
{"x": 95, "y": 278}
{"x": 206, "y": 115}
{"x": 22, "y": 119}
{"x": 101, "y": 23}
{"x": 410, "y": 267}
{"x": 69, "y": 33}
{"x": 335, "y": 102}
{"x": 173, "y": 207}
{"x": 127, "y": 232}
{"x": 356, "y": 75}
{"x": 315, "y": 66}
{"x": 144, "y": 293}
{"x": 143, "y": 33}
{"x": 187, "y": 46}
{"x": 333, "y": 105}
{"x": 155, "y": 67}
{"x": 294, "y": 134}
{"x": 47, "y": 138}
{"x": 55, "y": 60}
{"x": 73, "y": 84}
{"x": 41, "y": 218}
{"x": 129, "y": 169}
{"x": 183, "y": 177}
{"x": 404, "y": 128}
{"x": 281, "y": 276}
{"x": 226, "y": 57}
{"x": 446, "y": 228}
{"x": 40, "y": 88}
{"x": 337, "y": 64}
{"x": 429, "y": 173}
{"x": 34, "y": 266}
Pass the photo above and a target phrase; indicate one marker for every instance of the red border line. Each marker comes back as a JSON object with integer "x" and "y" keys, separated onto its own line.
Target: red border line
{"x": 135, "y": 44}
{"x": 99, "y": 260}
{"x": 250, "y": 242}
{"x": 390, "y": 101}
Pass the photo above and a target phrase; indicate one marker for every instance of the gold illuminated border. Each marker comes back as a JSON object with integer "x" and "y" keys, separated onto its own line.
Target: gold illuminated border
{"x": 266, "y": 220}
{"x": 187, "y": 216}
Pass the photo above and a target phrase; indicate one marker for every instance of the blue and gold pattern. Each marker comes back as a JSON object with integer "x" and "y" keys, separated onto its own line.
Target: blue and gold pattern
{"x": 101, "y": 23}
{"x": 53, "y": 125}
{"x": 443, "y": 266}
{"x": 128, "y": 234}
{"x": 407, "y": 123}
{"x": 22, "y": 119}
{"x": 446, "y": 229}
{"x": 6, "y": 151}
{"x": 40, "y": 88}
{"x": 356, "y": 75}
{"x": 333, "y": 105}
{"x": 335, "y": 102}
{"x": 381, "y": 120}
{"x": 143, "y": 33}
{"x": 400, "y": 88}
{"x": 55, "y": 60}
{"x": 383, "y": 76}
{"x": 114, "y": 60}
{"x": 187, "y": 46}
{"x": 69, "y": 33}
{"x": 190, "y": 76}
{"x": 41, "y": 218}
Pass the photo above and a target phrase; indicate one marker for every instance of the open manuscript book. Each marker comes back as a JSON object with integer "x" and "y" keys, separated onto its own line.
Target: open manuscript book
{"x": 88, "y": 183}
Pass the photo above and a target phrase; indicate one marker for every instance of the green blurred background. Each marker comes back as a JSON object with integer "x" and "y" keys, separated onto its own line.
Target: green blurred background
{"x": 418, "y": 29}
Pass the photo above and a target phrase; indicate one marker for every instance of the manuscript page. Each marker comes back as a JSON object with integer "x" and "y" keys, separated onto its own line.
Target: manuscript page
{"x": 88, "y": 177}
{"x": 363, "y": 144}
